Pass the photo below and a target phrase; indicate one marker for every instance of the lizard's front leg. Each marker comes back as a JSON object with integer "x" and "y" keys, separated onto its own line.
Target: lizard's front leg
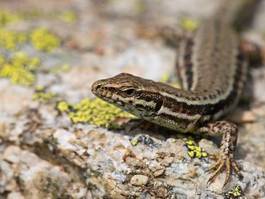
{"x": 228, "y": 145}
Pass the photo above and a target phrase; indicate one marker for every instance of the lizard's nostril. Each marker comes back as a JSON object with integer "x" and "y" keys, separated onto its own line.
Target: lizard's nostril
{"x": 96, "y": 86}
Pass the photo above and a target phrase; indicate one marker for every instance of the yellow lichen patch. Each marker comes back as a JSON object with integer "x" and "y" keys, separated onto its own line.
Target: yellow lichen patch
{"x": 42, "y": 39}
{"x": 166, "y": 79}
{"x": 10, "y": 39}
{"x": 189, "y": 24}
{"x": 93, "y": 111}
{"x": 60, "y": 69}
{"x": 195, "y": 151}
{"x": 7, "y": 17}
{"x": 63, "y": 106}
{"x": 41, "y": 95}
{"x": 2, "y": 60}
{"x": 20, "y": 68}
{"x": 235, "y": 192}
{"x": 68, "y": 16}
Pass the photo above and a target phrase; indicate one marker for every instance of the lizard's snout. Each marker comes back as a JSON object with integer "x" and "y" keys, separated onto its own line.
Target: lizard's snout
{"x": 96, "y": 86}
{"x": 100, "y": 88}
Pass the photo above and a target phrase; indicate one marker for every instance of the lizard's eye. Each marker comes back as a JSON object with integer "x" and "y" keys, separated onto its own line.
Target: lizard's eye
{"x": 130, "y": 92}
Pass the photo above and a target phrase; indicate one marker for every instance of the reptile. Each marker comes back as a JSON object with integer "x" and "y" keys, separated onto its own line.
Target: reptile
{"x": 212, "y": 68}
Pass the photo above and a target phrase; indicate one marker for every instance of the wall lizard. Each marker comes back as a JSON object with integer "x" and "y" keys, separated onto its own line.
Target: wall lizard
{"x": 212, "y": 68}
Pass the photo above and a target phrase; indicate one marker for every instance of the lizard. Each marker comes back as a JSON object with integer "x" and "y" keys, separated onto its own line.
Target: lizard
{"x": 212, "y": 68}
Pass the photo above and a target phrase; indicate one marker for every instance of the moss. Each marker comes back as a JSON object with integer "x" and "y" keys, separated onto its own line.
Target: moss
{"x": 93, "y": 111}
{"x": 10, "y": 39}
{"x": 195, "y": 151}
{"x": 43, "y": 40}
{"x": 41, "y": 95}
{"x": 20, "y": 68}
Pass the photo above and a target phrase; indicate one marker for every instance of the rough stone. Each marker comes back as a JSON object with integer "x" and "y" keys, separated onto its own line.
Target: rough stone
{"x": 44, "y": 155}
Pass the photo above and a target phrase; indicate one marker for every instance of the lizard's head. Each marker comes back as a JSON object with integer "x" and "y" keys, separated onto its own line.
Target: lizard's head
{"x": 131, "y": 93}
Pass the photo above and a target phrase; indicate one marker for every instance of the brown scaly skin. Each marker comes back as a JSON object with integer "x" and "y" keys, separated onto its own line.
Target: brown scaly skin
{"x": 213, "y": 71}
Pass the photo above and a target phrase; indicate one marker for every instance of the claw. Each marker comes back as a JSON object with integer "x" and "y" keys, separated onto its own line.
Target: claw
{"x": 226, "y": 163}
{"x": 219, "y": 167}
{"x": 214, "y": 166}
{"x": 225, "y": 159}
{"x": 236, "y": 168}
{"x": 228, "y": 170}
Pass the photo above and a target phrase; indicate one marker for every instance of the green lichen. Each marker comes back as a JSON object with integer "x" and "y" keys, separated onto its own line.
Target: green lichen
{"x": 235, "y": 192}
{"x": 42, "y": 95}
{"x": 20, "y": 68}
{"x": 195, "y": 151}
{"x": 93, "y": 111}
{"x": 43, "y": 40}
{"x": 11, "y": 39}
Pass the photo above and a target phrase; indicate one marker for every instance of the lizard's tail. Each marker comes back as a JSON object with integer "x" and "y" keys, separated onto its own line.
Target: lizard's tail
{"x": 237, "y": 13}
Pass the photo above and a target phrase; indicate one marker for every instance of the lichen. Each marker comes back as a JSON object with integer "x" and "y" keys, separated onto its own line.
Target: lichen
{"x": 60, "y": 69}
{"x": 93, "y": 111}
{"x": 189, "y": 24}
{"x": 167, "y": 80}
{"x": 43, "y": 40}
{"x": 68, "y": 16}
{"x": 195, "y": 151}
{"x": 235, "y": 192}
{"x": 63, "y": 107}
{"x": 9, "y": 40}
{"x": 42, "y": 95}
{"x": 144, "y": 139}
{"x": 20, "y": 68}
{"x": 7, "y": 17}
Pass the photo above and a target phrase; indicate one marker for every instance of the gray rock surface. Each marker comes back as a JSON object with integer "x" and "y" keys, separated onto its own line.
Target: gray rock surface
{"x": 44, "y": 155}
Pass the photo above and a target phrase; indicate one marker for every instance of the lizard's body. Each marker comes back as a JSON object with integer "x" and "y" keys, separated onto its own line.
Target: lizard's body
{"x": 212, "y": 71}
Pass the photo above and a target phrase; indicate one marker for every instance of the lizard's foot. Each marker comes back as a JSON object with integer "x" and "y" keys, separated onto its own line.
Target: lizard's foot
{"x": 225, "y": 160}
{"x": 227, "y": 163}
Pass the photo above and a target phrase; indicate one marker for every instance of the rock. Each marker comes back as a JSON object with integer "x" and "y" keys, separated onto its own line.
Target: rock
{"x": 139, "y": 180}
{"x": 15, "y": 195}
{"x": 44, "y": 155}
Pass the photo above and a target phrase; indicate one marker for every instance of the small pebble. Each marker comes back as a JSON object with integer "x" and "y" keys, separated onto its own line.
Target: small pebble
{"x": 159, "y": 172}
{"x": 139, "y": 180}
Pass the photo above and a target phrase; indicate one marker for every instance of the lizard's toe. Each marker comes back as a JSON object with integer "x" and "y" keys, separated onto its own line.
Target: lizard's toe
{"x": 226, "y": 163}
